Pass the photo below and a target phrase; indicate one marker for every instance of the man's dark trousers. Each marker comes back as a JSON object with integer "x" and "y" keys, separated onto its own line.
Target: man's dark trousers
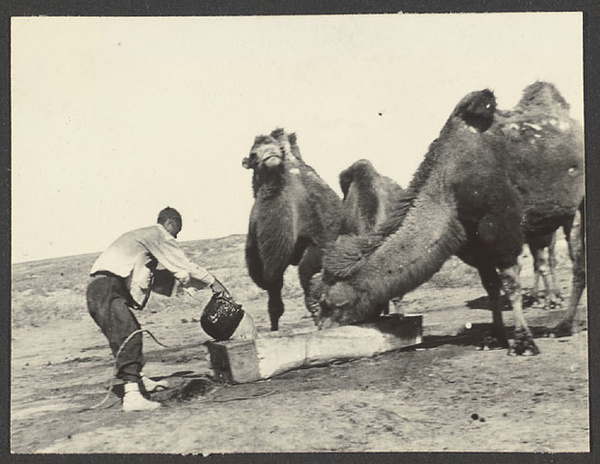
{"x": 109, "y": 304}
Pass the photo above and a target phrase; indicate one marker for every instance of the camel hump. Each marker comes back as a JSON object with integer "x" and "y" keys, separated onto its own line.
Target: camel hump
{"x": 359, "y": 170}
{"x": 477, "y": 109}
{"x": 544, "y": 96}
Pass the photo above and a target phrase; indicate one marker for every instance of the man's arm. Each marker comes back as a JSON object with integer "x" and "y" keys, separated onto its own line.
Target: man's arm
{"x": 171, "y": 256}
{"x": 219, "y": 287}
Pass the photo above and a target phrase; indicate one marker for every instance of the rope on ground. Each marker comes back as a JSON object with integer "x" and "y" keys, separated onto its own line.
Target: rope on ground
{"x": 121, "y": 348}
{"x": 240, "y": 398}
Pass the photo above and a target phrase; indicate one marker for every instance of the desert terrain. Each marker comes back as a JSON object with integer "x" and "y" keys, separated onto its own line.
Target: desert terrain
{"x": 443, "y": 395}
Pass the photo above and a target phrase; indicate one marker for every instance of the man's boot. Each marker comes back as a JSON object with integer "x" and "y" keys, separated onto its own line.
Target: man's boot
{"x": 134, "y": 401}
{"x": 151, "y": 386}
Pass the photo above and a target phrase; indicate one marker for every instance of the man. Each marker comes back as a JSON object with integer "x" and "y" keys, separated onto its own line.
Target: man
{"x": 123, "y": 277}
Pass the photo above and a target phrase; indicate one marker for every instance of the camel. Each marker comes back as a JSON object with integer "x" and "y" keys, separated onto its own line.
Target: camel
{"x": 488, "y": 184}
{"x": 543, "y": 99}
{"x": 294, "y": 217}
{"x": 368, "y": 198}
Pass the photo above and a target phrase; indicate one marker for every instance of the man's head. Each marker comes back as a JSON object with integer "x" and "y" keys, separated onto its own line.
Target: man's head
{"x": 170, "y": 220}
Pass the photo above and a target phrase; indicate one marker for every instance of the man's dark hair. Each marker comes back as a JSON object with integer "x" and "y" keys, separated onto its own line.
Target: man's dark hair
{"x": 168, "y": 213}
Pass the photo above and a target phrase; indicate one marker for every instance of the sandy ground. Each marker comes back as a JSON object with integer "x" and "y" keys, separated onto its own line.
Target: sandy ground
{"x": 445, "y": 395}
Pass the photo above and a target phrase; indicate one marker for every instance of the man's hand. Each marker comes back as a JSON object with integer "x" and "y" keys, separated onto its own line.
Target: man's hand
{"x": 191, "y": 291}
{"x": 217, "y": 287}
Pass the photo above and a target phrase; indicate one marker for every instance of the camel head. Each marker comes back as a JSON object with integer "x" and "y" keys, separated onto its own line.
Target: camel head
{"x": 477, "y": 109}
{"x": 265, "y": 153}
{"x": 271, "y": 151}
{"x": 341, "y": 304}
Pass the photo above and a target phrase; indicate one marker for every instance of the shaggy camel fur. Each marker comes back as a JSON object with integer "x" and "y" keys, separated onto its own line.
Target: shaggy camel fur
{"x": 541, "y": 99}
{"x": 294, "y": 217}
{"x": 368, "y": 199}
{"x": 478, "y": 195}
{"x": 542, "y": 140}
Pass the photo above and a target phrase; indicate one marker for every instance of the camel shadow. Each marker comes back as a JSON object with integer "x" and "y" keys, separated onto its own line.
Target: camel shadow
{"x": 483, "y": 302}
{"x": 476, "y": 336}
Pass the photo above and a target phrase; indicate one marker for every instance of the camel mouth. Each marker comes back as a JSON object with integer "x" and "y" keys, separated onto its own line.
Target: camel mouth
{"x": 272, "y": 161}
{"x": 330, "y": 317}
{"x": 325, "y": 323}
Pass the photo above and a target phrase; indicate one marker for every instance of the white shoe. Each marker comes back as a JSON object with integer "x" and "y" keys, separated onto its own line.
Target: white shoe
{"x": 134, "y": 401}
{"x": 151, "y": 386}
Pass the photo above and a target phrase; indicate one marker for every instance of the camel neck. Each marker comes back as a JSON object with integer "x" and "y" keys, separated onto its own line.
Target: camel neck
{"x": 431, "y": 233}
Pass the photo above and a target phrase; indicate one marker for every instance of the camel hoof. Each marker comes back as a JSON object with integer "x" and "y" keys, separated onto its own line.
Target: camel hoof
{"x": 564, "y": 329}
{"x": 580, "y": 327}
{"x": 492, "y": 343}
{"x": 552, "y": 304}
{"x": 522, "y": 351}
{"x": 523, "y": 345}
{"x": 533, "y": 301}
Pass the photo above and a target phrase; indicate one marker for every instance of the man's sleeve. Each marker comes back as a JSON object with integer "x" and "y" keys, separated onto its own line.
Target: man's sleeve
{"x": 171, "y": 256}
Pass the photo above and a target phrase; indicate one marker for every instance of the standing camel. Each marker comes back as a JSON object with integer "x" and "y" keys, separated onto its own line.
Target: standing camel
{"x": 479, "y": 196}
{"x": 541, "y": 142}
{"x": 294, "y": 217}
{"x": 542, "y": 101}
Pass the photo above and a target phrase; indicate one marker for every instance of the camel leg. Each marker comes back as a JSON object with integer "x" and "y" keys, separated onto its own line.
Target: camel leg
{"x": 552, "y": 267}
{"x": 309, "y": 265}
{"x": 492, "y": 284}
{"x": 544, "y": 268}
{"x": 524, "y": 344}
{"x": 535, "y": 292}
{"x": 567, "y": 229}
{"x": 576, "y": 240}
{"x": 275, "y": 304}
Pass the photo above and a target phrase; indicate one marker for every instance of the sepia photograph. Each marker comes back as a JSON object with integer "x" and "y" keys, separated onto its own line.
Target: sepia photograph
{"x": 319, "y": 233}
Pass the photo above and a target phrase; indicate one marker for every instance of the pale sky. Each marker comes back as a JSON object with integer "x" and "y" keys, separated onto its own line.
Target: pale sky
{"x": 115, "y": 118}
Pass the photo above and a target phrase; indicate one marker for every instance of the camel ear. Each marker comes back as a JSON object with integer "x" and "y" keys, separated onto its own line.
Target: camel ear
{"x": 294, "y": 145}
{"x": 278, "y": 133}
{"x": 477, "y": 109}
